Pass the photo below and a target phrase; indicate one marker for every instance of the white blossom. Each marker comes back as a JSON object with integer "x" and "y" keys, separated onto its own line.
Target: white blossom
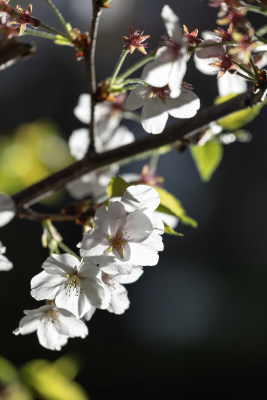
{"x": 119, "y": 301}
{"x": 95, "y": 183}
{"x": 5, "y": 264}
{"x": 130, "y": 232}
{"x": 108, "y": 114}
{"x": 157, "y": 105}
{"x": 7, "y": 209}
{"x": 74, "y": 285}
{"x": 169, "y": 65}
{"x": 53, "y": 325}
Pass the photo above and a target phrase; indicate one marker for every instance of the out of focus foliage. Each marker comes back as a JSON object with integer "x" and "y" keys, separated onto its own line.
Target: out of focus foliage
{"x": 32, "y": 152}
{"x": 41, "y": 379}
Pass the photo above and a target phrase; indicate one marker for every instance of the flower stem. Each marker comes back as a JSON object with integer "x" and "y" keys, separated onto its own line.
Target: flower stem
{"x": 90, "y": 63}
{"x": 35, "y": 32}
{"x": 260, "y": 38}
{"x": 135, "y": 67}
{"x": 65, "y": 248}
{"x": 52, "y": 30}
{"x": 59, "y": 16}
{"x": 118, "y": 66}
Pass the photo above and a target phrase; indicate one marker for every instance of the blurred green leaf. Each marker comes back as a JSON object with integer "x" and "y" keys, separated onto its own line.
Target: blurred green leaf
{"x": 50, "y": 381}
{"x": 207, "y": 158}
{"x": 238, "y": 119}
{"x": 171, "y": 231}
{"x": 117, "y": 187}
{"x": 171, "y": 205}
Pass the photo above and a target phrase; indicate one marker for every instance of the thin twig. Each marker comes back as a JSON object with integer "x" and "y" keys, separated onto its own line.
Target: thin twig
{"x": 90, "y": 64}
{"x": 177, "y": 132}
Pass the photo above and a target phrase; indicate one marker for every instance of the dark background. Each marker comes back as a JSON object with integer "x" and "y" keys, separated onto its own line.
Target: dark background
{"x": 196, "y": 326}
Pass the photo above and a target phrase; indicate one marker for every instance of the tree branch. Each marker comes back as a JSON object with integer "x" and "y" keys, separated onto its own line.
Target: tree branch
{"x": 180, "y": 131}
{"x": 90, "y": 64}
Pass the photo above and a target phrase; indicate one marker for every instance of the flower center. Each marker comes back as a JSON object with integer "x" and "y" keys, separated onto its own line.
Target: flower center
{"x": 73, "y": 284}
{"x": 117, "y": 243}
{"x": 162, "y": 92}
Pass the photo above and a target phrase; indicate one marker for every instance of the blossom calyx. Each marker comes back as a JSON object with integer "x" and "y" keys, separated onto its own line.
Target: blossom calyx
{"x": 135, "y": 41}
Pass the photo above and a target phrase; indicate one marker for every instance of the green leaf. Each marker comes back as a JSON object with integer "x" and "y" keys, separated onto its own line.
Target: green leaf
{"x": 207, "y": 158}
{"x": 117, "y": 187}
{"x": 238, "y": 119}
{"x": 170, "y": 231}
{"x": 63, "y": 41}
{"x": 170, "y": 205}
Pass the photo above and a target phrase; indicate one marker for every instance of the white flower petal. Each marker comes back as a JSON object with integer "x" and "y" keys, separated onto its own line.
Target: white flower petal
{"x": 7, "y": 209}
{"x": 140, "y": 197}
{"x": 171, "y": 22}
{"x": 231, "y": 83}
{"x": 157, "y": 72}
{"x": 136, "y": 98}
{"x": 119, "y": 300}
{"x": 82, "y": 110}
{"x": 49, "y": 337}
{"x": 5, "y": 264}
{"x": 138, "y": 226}
{"x": 154, "y": 116}
{"x": 70, "y": 326}
{"x": 79, "y": 143}
{"x": 184, "y": 106}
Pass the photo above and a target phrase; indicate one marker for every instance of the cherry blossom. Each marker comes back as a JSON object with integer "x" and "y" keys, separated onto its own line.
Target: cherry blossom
{"x": 169, "y": 65}
{"x": 74, "y": 285}
{"x": 7, "y": 209}
{"x": 5, "y": 264}
{"x": 131, "y": 233}
{"x": 53, "y": 325}
{"x": 157, "y": 105}
{"x": 108, "y": 114}
{"x": 95, "y": 183}
{"x": 119, "y": 301}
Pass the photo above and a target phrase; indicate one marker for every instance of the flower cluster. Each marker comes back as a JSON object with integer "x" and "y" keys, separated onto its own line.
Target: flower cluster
{"x": 126, "y": 237}
{"x": 163, "y": 91}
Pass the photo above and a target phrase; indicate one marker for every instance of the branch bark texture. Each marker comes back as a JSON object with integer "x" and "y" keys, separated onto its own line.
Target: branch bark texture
{"x": 174, "y": 133}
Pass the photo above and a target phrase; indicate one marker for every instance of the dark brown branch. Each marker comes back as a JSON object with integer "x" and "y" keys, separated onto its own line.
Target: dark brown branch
{"x": 170, "y": 135}
{"x": 90, "y": 64}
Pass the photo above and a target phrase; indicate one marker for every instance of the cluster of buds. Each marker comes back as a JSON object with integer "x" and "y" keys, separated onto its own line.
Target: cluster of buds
{"x": 80, "y": 41}
{"x": 19, "y": 17}
{"x": 135, "y": 41}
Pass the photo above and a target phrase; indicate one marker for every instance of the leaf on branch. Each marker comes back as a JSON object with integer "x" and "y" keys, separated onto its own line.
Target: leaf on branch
{"x": 207, "y": 158}
{"x": 238, "y": 119}
{"x": 12, "y": 51}
{"x": 171, "y": 231}
{"x": 117, "y": 187}
{"x": 172, "y": 206}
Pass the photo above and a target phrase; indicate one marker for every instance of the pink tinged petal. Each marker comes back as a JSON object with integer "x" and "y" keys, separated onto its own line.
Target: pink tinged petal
{"x": 136, "y": 98}
{"x": 7, "y": 209}
{"x": 5, "y": 264}
{"x": 171, "y": 22}
{"x": 138, "y": 226}
{"x": 184, "y": 106}
{"x": 78, "y": 143}
{"x": 119, "y": 300}
{"x": 82, "y": 110}
{"x": 157, "y": 72}
{"x": 140, "y": 197}
{"x": 45, "y": 286}
{"x": 154, "y": 116}
{"x": 70, "y": 326}
{"x": 49, "y": 337}
{"x": 132, "y": 277}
